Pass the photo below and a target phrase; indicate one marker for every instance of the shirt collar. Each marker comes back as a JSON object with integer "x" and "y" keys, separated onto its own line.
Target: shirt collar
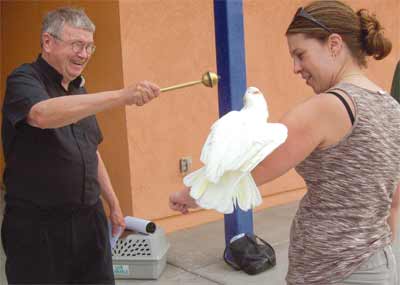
{"x": 54, "y": 75}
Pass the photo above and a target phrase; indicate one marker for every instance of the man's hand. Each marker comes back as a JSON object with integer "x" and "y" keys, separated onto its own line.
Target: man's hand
{"x": 117, "y": 220}
{"x": 181, "y": 201}
{"x": 142, "y": 93}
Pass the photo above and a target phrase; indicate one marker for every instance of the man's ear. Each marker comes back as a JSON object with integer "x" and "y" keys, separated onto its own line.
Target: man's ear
{"x": 46, "y": 42}
{"x": 335, "y": 44}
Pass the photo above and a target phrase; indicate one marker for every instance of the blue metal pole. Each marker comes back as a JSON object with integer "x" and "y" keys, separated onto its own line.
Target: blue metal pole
{"x": 229, "y": 38}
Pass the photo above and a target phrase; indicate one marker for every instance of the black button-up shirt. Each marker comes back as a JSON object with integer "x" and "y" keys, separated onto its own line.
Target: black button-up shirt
{"x": 47, "y": 167}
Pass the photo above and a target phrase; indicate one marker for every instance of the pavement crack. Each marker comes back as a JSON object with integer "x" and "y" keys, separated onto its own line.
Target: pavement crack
{"x": 195, "y": 273}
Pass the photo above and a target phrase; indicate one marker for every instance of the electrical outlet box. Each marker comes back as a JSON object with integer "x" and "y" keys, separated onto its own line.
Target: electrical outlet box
{"x": 185, "y": 164}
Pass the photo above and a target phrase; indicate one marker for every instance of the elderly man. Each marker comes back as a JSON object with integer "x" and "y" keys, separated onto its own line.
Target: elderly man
{"x": 54, "y": 229}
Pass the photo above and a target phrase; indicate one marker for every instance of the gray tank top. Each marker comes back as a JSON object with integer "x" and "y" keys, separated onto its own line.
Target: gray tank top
{"x": 342, "y": 219}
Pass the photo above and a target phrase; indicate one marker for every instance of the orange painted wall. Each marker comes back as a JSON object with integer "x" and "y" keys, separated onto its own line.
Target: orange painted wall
{"x": 270, "y": 68}
{"x": 17, "y": 42}
{"x": 176, "y": 45}
{"x": 173, "y": 41}
{"x": 170, "y": 42}
{"x": 105, "y": 73}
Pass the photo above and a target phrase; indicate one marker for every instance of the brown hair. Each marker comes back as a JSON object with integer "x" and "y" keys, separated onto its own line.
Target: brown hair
{"x": 361, "y": 31}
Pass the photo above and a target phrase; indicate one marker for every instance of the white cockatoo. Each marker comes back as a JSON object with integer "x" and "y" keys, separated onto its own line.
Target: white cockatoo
{"x": 237, "y": 143}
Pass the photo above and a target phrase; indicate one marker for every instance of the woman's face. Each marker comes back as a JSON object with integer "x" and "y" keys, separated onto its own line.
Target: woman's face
{"x": 313, "y": 60}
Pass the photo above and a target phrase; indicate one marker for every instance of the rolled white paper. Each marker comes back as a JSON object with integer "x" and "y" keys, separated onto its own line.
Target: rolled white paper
{"x": 113, "y": 239}
{"x": 140, "y": 225}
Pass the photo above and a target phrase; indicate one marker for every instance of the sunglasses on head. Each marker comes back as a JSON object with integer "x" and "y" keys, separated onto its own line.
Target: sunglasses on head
{"x": 303, "y": 13}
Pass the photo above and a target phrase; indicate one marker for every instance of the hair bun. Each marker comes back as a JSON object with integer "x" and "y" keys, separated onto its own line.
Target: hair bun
{"x": 372, "y": 36}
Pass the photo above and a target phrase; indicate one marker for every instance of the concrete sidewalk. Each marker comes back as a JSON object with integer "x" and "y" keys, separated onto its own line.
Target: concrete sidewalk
{"x": 195, "y": 255}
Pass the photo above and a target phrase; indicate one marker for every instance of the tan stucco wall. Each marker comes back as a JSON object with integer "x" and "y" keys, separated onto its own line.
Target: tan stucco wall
{"x": 171, "y": 48}
{"x": 18, "y": 44}
{"x": 270, "y": 67}
{"x": 173, "y": 41}
{"x": 170, "y": 42}
{"x": 105, "y": 73}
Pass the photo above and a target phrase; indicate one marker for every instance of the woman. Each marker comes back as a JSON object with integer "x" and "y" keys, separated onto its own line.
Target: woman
{"x": 345, "y": 143}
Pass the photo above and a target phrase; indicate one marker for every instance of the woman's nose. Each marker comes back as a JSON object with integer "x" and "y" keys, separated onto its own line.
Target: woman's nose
{"x": 296, "y": 66}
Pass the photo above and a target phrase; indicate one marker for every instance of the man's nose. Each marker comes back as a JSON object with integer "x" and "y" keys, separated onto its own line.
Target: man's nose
{"x": 83, "y": 53}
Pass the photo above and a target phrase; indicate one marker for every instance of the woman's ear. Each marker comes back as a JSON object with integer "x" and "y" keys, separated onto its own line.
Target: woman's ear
{"x": 335, "y": 44}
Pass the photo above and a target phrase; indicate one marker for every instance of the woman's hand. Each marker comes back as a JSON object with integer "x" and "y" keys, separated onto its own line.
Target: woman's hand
{"x": 181, "y": 201}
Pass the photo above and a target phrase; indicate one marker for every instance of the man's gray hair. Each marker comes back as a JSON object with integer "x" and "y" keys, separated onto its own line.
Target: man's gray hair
{"x": 55, "y": 20}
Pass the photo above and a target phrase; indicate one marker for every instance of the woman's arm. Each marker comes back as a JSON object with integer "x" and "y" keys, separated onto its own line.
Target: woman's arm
{"x": 319, "y": 121}
{"x": 394, "y": 212}
{"x": 304, "y": 135}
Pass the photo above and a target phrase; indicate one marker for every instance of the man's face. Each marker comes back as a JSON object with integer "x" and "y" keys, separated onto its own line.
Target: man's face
{"x": 68, "y": 52}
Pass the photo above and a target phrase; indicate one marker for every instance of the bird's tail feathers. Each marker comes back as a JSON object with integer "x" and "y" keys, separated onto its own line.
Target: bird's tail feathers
{"x": 235, "y": 188}
{"x": 196, "y": 181}
{"x": 218, "y": 196}
{"x": 247, "y": 194}
{"x": 214, "y": 172}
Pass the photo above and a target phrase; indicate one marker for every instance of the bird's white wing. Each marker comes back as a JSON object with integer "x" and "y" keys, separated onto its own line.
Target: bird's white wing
{"x": 266, "y": 139}
{"x": 224, "y": 124}
{"x": 228, "y": 140}
{"x": 239, "y": 143}
{"x": 196, "y": 180}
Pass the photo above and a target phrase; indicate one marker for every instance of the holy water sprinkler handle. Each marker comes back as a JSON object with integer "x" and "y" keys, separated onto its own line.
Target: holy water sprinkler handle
{"x": 209, "y": 79}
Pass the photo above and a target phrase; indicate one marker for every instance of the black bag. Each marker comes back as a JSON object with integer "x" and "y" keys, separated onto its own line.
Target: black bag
{"x": 249, "y": 255}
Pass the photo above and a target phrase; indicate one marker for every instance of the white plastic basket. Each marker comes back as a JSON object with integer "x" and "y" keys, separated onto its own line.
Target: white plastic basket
{"x": 140, "y": 256}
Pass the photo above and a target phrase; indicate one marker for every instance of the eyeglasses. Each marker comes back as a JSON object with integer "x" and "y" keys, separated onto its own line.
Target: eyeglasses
{"x": 303, "y": 13}
{"x": 78, "y": 46}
